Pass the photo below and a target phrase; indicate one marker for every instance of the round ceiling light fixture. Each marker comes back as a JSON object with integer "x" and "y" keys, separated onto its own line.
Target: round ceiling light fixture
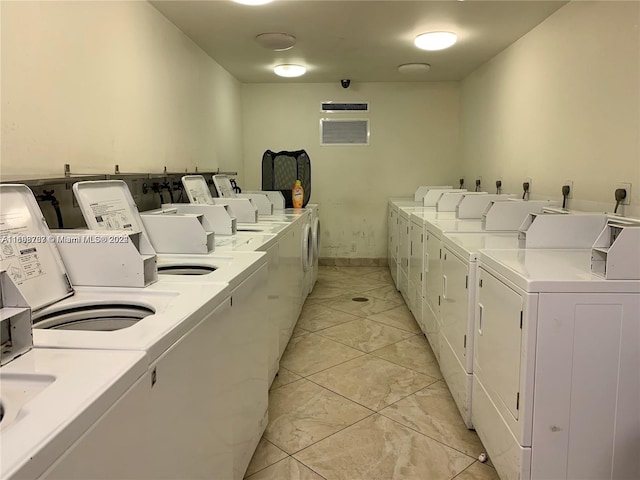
{"x": 435, "y": 40}
{"x": 289, "y": 70}
{"x": 252, "y": 2}
{"x": 276, "y": 41}
{"x": 410, "y": 68}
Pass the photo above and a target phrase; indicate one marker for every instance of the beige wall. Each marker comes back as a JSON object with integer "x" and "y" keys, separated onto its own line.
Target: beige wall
{"x": 96, "y": 84}
{"x": 414, "y": 139}
{"x": 562, "y": 103}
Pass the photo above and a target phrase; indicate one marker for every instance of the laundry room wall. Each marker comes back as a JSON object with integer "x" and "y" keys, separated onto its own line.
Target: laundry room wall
{"x": 95, "y": 84}
{"x": 562, "y": 103}
{"x": 413, "y": 140}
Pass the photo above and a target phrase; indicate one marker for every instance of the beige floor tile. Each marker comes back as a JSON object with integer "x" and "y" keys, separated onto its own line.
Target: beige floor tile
{"x": 298, "y": 330}
{"x": 364, "y": 270}
{"x": 303, "y": 413}
{"x": 323, "y": 292}
{"x": 382, "y": 275}
{"x": 316, "y": 317}
{"x": 329, "y": 274}
{"x": 284, "y": 377}
{"x": 371, "y": 381}
{"x": 287, "y": 469}
{"x": 433, "y": 412}
{"x": 356, "y": 284}
{"x": 345, "y": 304}
{"x": 364, "y": 334}
{"x": 311, "y": 353}
{"x": 388, "y": 292}
{"x": 266, "y": 454}
{"x": 399, "y": 317}
{"x": 380, "y": 449}
{"x": 478, "y": 471}
{"x": 414, "y": 353}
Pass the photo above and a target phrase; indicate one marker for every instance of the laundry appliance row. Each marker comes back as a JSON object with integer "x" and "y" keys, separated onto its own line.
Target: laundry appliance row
{"x": 533, "y": 313}
{"x": 179, "y": 308}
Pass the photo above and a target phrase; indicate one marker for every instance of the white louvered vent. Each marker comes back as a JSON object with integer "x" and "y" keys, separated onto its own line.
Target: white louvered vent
{"x": 337, "y": 107}
{"x": 344, "y": 132}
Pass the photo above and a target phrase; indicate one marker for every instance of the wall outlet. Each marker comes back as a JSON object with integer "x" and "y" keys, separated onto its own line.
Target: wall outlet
{"x": 528, "y": 180}
{"x": 570, "y": 183}
{"x": 477, "y": 184}
{"x": 353, "y": 247}
{"x": 627, "y": 187}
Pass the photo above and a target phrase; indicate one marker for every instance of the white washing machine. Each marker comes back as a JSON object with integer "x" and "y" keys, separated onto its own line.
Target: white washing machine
{"x": 60, "y": 410}
{"x": 293, "y": 227}
{"x": 288, "y": 260}
{"x": 75, "y": 414}
{"x": 316, "y": 235}
{"x": 308, "y": 258}
{"x": 172, "y": 323}
{"x": 247, "y": 334}
{"x": 555, "y": 375}
{"x": 272, "y": 222}
{"x": 290, "y": 226}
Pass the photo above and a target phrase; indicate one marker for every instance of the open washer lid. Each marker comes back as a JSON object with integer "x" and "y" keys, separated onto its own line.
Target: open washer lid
{"x": 197, "y": 189}
{"x": 108, "y": 205}
{"x": 28, "y": 251}
{"x": 223, "y": 186}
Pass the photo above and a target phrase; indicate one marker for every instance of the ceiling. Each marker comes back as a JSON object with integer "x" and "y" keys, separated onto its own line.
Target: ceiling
{"x": 364, "y": 41}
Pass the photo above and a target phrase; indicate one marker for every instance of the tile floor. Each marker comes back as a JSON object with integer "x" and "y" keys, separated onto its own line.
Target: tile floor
{"x": 359, "y": 395}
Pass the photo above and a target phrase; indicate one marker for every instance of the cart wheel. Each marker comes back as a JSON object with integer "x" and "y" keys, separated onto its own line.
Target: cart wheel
{"x": 483, "y": 457}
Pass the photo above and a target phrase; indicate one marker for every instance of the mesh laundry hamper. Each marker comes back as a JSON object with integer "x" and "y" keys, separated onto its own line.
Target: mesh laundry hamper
{"x": 281, "y": 170}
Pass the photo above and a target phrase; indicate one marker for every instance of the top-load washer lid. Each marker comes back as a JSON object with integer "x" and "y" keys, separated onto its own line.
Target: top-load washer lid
{"x": 29, "y": 254}
{"x": 108, "y": 205}
{"x": 27, "y": 249}
{"x": 197, "y": 189}
{"x": 223, "y": 186}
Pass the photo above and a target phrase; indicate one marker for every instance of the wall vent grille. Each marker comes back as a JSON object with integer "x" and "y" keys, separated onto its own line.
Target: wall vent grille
{"x": 344, "y": 132}
{"x": 337, "y": 107}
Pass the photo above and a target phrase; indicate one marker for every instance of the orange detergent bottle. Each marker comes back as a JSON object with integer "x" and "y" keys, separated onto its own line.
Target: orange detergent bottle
{"x": 297, "y": 195}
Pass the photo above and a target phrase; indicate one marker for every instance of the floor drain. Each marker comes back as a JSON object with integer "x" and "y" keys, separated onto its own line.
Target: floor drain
{"x": 360, "y": 299}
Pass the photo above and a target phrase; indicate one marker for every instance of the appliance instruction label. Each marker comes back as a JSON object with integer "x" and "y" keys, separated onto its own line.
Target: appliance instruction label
{"x": 112, "y": 215}
{"x": 19, "y": 254}
{"x": 198, "y": 196}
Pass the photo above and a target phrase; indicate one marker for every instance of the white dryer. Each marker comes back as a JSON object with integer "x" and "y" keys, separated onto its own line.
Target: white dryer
{"x": 556, "y": 387}
{"x": 502, "y": 215}
{"x": 460, "y": 252}
{"x": 432, "y": 282}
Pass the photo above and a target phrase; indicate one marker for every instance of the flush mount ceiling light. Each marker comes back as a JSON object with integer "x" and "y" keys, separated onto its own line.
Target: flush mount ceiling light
{"x": 289, "y": 70}
{"x": 252, "y": 2}
{"x": 435, "y": 40}
{"x": 414, "y": 68}
{"x": 276, "y": 41}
